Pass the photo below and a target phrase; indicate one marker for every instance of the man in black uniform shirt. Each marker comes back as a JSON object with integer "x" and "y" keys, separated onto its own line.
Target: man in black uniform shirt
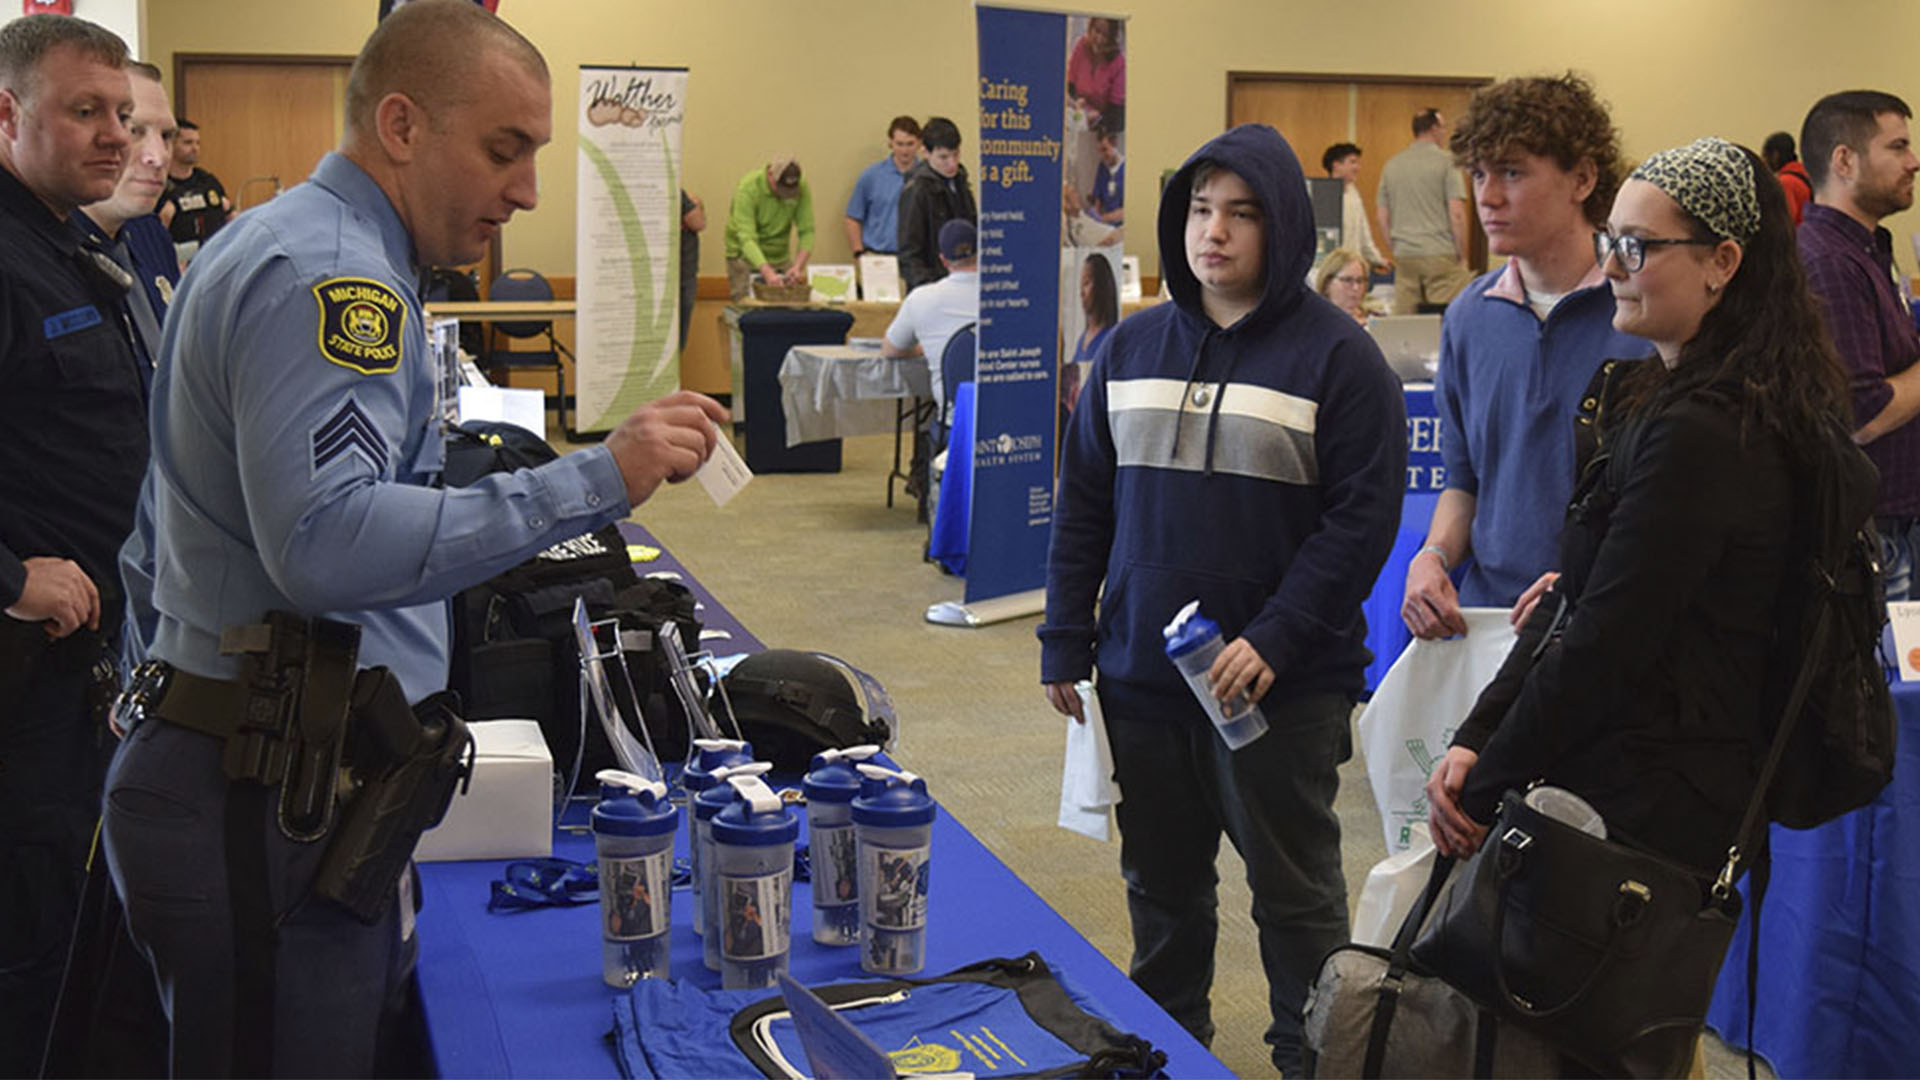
{"x": 195, "y": 205}
{"x": 70, "y": 468}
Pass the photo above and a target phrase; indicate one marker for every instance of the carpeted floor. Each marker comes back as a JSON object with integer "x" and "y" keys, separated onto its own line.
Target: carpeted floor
{"x": 818, "y": 561}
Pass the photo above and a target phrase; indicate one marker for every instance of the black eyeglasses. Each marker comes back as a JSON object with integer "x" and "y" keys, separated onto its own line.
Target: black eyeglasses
{"x": 1632, "y": 250}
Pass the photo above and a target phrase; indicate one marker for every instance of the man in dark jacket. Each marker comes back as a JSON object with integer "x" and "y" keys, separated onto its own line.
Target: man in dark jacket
{"x": 936, "y": 192}
{"x": 1244, "y": 445}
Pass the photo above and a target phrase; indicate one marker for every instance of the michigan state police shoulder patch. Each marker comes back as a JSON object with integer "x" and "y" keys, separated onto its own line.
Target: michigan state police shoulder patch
{"x": 360, "y": 324}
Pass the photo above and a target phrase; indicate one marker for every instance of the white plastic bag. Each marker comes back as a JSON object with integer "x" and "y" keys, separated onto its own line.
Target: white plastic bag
{"x": 1406, "y": 727}
{"x": 1392, "y": 886}
{"x": 1087, "y": 790}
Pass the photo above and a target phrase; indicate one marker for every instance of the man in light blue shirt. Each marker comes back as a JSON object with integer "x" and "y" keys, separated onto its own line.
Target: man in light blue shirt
{"x": 873, "y": 211}
{"x": 296, "y": 449}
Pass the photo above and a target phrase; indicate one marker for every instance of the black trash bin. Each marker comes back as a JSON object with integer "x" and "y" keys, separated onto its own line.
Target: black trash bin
{"x": 765, "y": 336}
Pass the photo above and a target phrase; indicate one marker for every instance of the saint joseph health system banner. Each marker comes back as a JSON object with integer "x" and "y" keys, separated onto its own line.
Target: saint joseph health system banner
{"x": 627, "y": 241}
{"x": 1022, "y": 119}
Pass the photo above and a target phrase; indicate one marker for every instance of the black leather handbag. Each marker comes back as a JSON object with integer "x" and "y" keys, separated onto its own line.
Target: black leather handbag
{"x": 1608, "y": 952}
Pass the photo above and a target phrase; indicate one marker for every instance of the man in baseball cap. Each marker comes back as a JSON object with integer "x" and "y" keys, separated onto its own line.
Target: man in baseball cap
{"x": 767, "y": 203}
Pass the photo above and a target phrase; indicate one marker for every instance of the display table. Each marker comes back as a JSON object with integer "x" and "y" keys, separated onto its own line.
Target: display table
{"x": 839, "y": 391}
{"x": 760, "y": 335}
{"x": 520, "y": 994}
{"x": 1839, "y": 989}
{"x": 501, "y": 310}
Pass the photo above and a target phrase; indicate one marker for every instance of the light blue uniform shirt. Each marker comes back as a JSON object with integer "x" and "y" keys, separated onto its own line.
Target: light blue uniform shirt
{"x": 875, "y": 204}
{"x": 296, "y": 444}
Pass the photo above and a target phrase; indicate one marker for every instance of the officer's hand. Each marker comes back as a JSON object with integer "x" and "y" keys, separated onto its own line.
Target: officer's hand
{"x": 166, "y": 212}
{"x": 58, "y": 593}
{"x": 1432, "y": 607}
{"x": 1240, "y": 670}
{"x": 665, "y": 441}
{"x": 1066, "y": 701}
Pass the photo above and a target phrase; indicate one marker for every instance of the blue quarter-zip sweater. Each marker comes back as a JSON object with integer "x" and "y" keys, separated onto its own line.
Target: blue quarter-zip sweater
{"x": 1257, "y": 467}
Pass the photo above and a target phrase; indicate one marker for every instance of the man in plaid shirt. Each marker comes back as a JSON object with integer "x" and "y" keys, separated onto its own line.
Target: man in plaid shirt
{"x": 1860, "y": 159}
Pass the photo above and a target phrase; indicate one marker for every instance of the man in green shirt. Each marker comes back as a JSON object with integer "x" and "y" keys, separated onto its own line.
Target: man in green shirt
{"x": 766, "y": 204}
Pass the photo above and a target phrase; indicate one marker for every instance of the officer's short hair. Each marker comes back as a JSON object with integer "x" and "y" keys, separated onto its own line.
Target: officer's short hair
{"x": 24, "y": 43}
{"x": 145, "y": 70}
{"x": 426, "y": 50}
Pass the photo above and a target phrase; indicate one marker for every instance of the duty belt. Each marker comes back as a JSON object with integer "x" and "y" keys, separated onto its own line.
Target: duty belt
{"x": 160, "y": 691}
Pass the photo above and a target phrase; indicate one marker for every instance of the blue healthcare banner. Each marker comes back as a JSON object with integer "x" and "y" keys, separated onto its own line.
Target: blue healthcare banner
{"x": 1023, "y": 79}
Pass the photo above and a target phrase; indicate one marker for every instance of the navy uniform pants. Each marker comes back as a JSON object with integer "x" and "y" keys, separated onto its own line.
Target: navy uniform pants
{"x": 1180, "y": 789}
{"x": 53, "y": 754}
{"x": 337, "y": 979}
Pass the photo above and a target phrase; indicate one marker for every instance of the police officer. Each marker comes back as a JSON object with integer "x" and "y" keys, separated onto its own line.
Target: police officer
{"x": 70, "y": 466}
{"x": 295, "y": 444}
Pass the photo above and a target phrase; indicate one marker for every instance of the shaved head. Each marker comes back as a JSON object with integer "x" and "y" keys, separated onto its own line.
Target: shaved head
{"x": 426, "y": 51}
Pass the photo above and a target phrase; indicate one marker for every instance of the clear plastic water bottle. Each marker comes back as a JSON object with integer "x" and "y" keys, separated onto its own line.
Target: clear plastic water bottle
{"x": 753, "y": 871}
{"x": 830, "y": 786}
{"x": 893, "y": 820}
{"x": 633, "y": 828}
{"x": 710, "y": 755}
{"x": 706, "y": 806}
{"x": 1193, "y": 641}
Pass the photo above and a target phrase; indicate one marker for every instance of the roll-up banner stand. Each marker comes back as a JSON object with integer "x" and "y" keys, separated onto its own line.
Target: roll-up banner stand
{"x": 1038, "y": 137}
{"x": 627, "y": 241}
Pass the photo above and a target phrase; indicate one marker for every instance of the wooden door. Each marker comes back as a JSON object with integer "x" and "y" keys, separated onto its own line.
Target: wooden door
{"x": 265, "y": 122}
{"x": 1372, "y": 112}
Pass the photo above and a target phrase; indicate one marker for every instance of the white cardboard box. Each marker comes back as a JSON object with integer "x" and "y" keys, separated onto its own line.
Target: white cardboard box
{"x": 507, "y": 812}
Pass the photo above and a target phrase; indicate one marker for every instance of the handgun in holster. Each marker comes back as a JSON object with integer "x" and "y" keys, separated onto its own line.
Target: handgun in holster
{"x": 405, "y": 764}
{"x": 299, "y": 675}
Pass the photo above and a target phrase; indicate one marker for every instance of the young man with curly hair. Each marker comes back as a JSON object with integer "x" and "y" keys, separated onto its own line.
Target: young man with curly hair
{"x": 1520, "y": 345}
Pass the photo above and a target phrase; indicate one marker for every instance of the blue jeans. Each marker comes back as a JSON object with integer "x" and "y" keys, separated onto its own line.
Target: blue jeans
{"x": 1181, "y": 788}
{"x": 1897, "y": 544}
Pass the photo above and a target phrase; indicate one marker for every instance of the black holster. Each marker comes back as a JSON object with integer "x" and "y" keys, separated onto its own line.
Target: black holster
{"x": 404, "y": 766}
{"x": 299, "y": 676}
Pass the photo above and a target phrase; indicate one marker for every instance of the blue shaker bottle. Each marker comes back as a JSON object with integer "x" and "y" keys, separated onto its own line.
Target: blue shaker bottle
{"x": 710, "y": 754}
{"x": 830, "y": 787}
{"x": 1193, "y": 641}
{"x": 633, "y": 828}
{"x": 706, "y": 806}
{"x": 893, "y": 820}
{"x": 753, "y": 873}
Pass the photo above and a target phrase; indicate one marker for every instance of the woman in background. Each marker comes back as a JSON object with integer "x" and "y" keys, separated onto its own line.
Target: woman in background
{"x": 1342, "y": 278}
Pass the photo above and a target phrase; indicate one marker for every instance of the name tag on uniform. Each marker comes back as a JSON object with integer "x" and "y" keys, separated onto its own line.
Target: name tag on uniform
{"x": 68, "y": 322}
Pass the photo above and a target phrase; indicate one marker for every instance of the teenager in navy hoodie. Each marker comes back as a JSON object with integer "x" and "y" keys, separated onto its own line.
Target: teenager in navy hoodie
{"x": 1244, "y": 445}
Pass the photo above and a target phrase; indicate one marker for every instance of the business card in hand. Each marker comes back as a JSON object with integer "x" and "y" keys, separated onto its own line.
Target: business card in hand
{"x": 725, "y": 473}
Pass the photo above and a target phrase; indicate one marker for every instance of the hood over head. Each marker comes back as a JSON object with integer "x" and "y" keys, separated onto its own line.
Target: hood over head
{"x": 1261, "y": 157}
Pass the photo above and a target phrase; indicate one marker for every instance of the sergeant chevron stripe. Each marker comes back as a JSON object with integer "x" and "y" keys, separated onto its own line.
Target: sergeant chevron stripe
{"x": 349, "y": 432}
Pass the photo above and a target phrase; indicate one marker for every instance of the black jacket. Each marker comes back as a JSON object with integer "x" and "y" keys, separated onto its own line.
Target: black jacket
{"x": 1652, "y": 703}
{"x": 928, "y": 201}
{"x": 74, "y": 408}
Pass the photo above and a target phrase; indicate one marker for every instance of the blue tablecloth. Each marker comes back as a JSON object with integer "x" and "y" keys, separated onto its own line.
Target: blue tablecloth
{"x": 521, "y": 995}
{"x": 1839, "y": 989}
{"x": 1387, "y": 636}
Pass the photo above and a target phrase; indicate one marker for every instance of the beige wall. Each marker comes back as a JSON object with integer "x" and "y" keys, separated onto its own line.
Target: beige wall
{"x": 802, "y": 76}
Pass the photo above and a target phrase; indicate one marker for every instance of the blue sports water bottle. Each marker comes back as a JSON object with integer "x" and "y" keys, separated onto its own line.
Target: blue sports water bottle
{"x": 830, "y": 787}
{"x": 1193, "y": 641}
{"x": 633, "y": 828}
{"x": 706, "y": 806}
{"x": 710, "y": 755}
{"x": 753, "y": 873}
{"x": 893, "y": 819}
